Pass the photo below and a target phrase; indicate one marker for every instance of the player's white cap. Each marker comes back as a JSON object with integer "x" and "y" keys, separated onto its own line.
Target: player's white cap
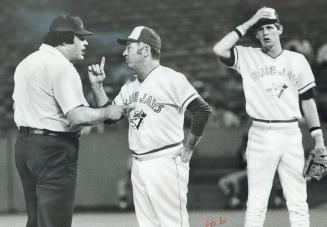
{"x": 145, "y": 35}
{"x": 272, "y": 19}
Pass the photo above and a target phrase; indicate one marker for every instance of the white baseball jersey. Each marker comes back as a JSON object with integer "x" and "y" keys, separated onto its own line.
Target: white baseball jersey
{"x": 44, "y": 92}
{"x": 160, "y": 102}
{"x": 272, "y": 85}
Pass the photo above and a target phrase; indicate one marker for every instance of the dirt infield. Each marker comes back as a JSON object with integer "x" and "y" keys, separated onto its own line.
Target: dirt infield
{"x": 197, "y": 219}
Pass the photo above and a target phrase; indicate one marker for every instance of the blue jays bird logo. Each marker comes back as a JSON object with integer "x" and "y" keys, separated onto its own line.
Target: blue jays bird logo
{"x": 277, "y": 89}
{"x": 137, "y": 119}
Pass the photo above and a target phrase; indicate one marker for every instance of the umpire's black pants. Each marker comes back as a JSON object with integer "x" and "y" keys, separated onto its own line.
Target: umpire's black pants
{"x": 47, "y": 166}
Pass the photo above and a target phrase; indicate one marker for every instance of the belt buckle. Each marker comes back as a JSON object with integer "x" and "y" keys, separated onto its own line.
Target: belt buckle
{"x": 50, "y": 134}
{"x": 23, "y": 130}
{"x": 38, "y": 131}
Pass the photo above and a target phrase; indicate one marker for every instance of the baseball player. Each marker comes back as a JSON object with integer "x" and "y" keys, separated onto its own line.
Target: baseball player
{"x": 275, "y": 81}
{"x": 49, "y": 110}
{"x": 160, "y": 96}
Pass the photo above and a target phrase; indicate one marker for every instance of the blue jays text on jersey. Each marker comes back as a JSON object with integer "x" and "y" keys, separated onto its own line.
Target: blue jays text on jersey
{"x": 146, "y": 99}
{"x": 272, "y": 71}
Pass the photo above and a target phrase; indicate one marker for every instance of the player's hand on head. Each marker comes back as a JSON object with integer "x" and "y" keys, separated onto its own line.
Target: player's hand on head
{"x": 261, "y": 13}
{"x": 265, "y": 12}
{"x": 185, "y": 154}
{"x": 96, "y": 73}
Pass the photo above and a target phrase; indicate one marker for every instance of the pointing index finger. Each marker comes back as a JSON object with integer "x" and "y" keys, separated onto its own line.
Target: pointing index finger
{"x": 103, "y": 61}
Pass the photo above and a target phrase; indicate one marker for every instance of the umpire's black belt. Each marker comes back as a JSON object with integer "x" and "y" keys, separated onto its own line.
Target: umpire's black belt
{"x": 46, "y": 132}
{"x": 275, "y": 121}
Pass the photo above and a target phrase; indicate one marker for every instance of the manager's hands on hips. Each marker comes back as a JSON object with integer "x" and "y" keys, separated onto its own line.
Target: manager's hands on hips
{"x": 187, "y": 150}
{"x": 96, "y": 73}
{"x": 185, "y": 153}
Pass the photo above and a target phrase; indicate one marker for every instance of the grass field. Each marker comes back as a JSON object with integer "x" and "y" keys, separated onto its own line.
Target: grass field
{"x": 275, "y": 218}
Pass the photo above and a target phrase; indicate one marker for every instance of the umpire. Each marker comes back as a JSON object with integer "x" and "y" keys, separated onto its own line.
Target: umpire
{"x": 49, "y": 110}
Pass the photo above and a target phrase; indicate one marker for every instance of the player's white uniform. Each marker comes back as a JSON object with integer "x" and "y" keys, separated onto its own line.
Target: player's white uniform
{"x": 272, "y": 87}
{"x": 155, "y": 133}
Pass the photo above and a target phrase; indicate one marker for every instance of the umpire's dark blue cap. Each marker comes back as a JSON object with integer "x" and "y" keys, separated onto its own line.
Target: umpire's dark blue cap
{"x": 145, "y": 35}
{"x": 66, "y": 23}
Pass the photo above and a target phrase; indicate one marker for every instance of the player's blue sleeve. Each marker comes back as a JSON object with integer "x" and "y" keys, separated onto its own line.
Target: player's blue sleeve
{"x": 201, "y": 111}
{"x": 229, "y": 61}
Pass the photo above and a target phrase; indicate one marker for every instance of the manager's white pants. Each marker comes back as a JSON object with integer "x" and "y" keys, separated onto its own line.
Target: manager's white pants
{"x": 271, "y": 147}
{"x": 160, "y": 192}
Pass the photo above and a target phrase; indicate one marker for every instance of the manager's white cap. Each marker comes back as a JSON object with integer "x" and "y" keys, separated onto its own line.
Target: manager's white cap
{"x": 143, "y": 34}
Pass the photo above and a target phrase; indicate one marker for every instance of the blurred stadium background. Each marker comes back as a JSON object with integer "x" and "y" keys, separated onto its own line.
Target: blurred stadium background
{"x": 189, "y": 29}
